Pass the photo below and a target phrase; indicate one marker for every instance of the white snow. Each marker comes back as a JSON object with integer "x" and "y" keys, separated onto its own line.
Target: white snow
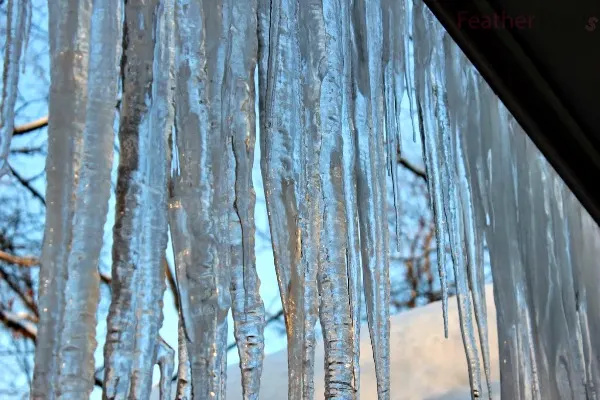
{"x": 423, "y": 364}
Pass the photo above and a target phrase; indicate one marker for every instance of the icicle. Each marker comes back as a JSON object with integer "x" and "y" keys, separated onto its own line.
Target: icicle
{"x": 165, "y": 358}
{"x": 409, "y": 62}
{"x": 338, "y": 258}
{"x": 453, "y": 213}
{"x": 425, "y": 105}
{"x": 279, "y": 125}
{"x": 140, "y": 232}
{"x": 369, "y": 118}
{"x": 78, "y": 331}
{"x": 393, "y": 59}
{"x": 199, "y": 191}
{"x": 69, "y": 62}
{"x": 303, "y": 308}
{"x": 459, "y": 107}
{"x": 288, "y": 168}
{"x": 19, "y": 12}
{"x": 247, "y": 306}
{"x": 349, "y": 176}
{"x": 184, "y": 388}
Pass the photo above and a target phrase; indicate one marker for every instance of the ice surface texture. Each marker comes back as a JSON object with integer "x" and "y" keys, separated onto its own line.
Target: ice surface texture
{"x": 332, "y": 75}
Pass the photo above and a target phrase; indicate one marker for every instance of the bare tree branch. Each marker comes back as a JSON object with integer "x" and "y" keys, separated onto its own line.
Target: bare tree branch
{"x": 17, "y": 324}
{"x": 31, "y": 126}
{"x": 406, "y": 164}
{"x": 28, "y": 186}
{"x": 20, "y": 261}
{"x": 172, "y": 283}
{"x": 35, "y": 262}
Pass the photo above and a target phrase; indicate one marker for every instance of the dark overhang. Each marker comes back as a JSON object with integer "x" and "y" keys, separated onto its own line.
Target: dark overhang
{"x": 542, "y": 58}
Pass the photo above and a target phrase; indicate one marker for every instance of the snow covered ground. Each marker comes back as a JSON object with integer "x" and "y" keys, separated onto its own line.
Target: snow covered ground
{"x": 424, "y": 365}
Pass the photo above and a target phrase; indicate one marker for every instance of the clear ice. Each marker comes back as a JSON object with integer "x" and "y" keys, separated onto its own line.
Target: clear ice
{"x": 70, "y": 53}
{"x": 332, "y": 75}
{"x": 141, "y": 223}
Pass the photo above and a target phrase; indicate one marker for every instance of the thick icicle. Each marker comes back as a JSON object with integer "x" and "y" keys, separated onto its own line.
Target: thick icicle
{"x": 338, "y": 279}
{"x": 140, "y": 232}
{"x": 372, "y": 199}
{"x": 423, "y": 54}
{"x": 280, "y": 123}
{"x": 69, "y": 43}
{"x": 78, "y": 336}
{"x": 17, "y": 16}
{"x": 288, "y": 166}
{"x": 164, "y": 358}
{"x": 247, "y": 306}
{"x": 304, "y": 294}
{"x": 199, "y": 191}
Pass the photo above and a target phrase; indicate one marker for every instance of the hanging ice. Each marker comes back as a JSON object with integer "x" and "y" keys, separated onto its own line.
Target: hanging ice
{"x": 291, "y": 140}
{"x": 394, "y": 81}
{"x": 69, "y": 53}
{"x": 140, "y": 232}
{"x": 339, "y": 273}
{"x": 460, "y": 117}
{"x": 199, "y": 211}
{"x": 423, "y": 53}
{"x": 332, "y": 75}
{"x": 536, "y": 239}
{"x": 17, "y": 24}
{"x": 247, "y": 306}
{"x": 369, "y": 122}
{"x": 92, "y": 192}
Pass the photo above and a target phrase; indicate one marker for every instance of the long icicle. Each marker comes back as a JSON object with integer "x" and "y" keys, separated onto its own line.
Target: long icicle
{"x": 151, "y": 283}
{"x": 372, "y": 199}
{"x": 349, "y": 174}
{"x": 284, "y": 171}
{"x": 455, "y": 223}
{"x": 140, "y": 232}
{"x": 337, "y": 275}
{"x": 78, "y": 337}
{"x": 393, "y": 86}
{"x": 199, "y": 191}
{"x": 68, "y": 94}
{"x": 279, "y": 93}
{"x": 459, "y": 94}
{"x": 303, "y": 299}
{"x": 452, "y": 212}
{"x": 17, "y": 16}
{"x": 247, "y": 307}
{"x": 423, "y": 50}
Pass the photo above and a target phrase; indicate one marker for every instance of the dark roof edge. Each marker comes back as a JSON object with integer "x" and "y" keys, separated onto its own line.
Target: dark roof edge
{"x": 514, "y": 77}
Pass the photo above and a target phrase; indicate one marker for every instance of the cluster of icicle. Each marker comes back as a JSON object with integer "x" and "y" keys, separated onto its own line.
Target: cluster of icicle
{"x": 332, "y": 75}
